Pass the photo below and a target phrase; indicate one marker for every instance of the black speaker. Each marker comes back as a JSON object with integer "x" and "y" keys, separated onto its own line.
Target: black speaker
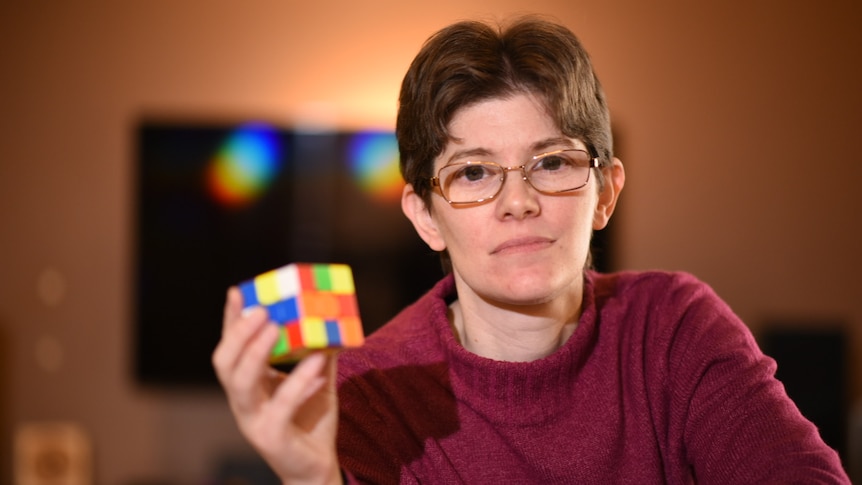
{"x": 812, "y": 364}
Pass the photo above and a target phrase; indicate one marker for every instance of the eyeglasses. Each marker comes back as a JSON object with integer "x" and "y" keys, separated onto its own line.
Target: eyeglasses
{"x": 473, "y": 182}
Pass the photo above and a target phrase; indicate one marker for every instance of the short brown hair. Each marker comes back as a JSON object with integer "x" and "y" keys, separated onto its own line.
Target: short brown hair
{"x": 471, "y": 61}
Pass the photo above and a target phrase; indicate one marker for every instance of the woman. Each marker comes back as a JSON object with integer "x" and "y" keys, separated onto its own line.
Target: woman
{"x": 522, "y": 366}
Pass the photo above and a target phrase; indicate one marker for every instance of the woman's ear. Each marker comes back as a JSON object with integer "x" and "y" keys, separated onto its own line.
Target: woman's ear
{"x": 615, "y": 179}
{"x": 420, "y": 215}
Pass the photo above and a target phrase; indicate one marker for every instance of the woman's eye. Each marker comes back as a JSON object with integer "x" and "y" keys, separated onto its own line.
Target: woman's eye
{"x": 472, "y": 173}
{"x": 552, "y": 162}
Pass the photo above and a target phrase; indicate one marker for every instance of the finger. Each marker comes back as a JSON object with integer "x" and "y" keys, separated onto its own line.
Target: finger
{"x": 306, "y": 379}
{"x": 232, "y": 307}
{"x": 314, "y": 408}
{"x": 332, "y": 366}
{"x": 250, "y": 379}
{"x": 237, "y": 336}
{"x": 330, "y": 370}
{"x": 253, "y": 364}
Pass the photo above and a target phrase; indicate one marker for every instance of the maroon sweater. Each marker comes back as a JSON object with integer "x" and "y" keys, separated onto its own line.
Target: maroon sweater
{"x": 660, "y": 383}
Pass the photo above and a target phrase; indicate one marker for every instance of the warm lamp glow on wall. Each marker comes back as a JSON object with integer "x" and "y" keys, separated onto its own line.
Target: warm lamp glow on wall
{"x": 366, "y": 107}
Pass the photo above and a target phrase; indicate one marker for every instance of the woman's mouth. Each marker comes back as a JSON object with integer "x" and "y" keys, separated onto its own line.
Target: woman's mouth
{"x": 522, "y": 244}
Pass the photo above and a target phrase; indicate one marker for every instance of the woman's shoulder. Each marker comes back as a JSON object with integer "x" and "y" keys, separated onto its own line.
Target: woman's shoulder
{"x": 673, "y": 307}
{"x": 659, "y": 301}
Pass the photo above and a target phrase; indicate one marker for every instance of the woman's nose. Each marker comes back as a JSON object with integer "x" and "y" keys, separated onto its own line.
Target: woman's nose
{"x": 517, "y": 198}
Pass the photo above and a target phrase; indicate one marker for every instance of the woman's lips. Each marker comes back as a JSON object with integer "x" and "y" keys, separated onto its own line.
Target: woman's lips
{"x": 522, "y": 244}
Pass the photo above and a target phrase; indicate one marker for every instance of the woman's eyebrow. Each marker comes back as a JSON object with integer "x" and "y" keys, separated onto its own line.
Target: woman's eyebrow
{"x": 539, "y": 146}
{"x": 468, "y": 153}
{"x": 557, "y": 141}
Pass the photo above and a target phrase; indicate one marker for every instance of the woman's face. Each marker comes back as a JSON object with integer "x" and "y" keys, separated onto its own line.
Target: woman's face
{"x": 522, "y": 247}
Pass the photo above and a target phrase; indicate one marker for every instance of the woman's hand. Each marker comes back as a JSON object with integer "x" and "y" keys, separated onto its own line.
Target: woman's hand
{"x": 290, "y": 419}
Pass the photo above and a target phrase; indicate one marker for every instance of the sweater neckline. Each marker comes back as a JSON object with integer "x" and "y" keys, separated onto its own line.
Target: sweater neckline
{"x": 508, "y": 392}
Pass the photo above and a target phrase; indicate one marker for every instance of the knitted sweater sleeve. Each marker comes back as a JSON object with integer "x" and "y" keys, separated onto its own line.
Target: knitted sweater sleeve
{"x": 729, "y": 418}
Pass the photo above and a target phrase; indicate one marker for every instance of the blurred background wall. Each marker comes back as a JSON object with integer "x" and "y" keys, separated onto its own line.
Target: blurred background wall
{"x": 738, "y": 122}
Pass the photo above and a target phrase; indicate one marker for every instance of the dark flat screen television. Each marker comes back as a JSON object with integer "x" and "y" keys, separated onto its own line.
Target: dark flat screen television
{"x": 219, "y": 203}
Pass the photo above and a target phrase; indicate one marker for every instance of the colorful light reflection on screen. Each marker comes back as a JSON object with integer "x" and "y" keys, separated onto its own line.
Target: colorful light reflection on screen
{"x": 373, "y": 158}
{"x": 245, "y": 165}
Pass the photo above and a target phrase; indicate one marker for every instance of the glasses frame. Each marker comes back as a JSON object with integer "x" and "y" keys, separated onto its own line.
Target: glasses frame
{"x": 594, "y": 163}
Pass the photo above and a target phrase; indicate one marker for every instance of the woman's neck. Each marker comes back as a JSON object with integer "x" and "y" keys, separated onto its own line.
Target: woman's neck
{"x": 513, "y": 333}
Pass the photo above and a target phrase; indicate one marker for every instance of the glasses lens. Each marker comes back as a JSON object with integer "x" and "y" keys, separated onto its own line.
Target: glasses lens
{"x": 560, "y": 171}
{"x": 470, "y": 181}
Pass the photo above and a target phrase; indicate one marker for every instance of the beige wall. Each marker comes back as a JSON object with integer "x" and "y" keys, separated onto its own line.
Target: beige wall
{"x": 739, "y": 124}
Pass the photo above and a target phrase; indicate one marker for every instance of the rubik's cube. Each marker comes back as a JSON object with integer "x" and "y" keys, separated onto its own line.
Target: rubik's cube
{"x": 314, "y": 306}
